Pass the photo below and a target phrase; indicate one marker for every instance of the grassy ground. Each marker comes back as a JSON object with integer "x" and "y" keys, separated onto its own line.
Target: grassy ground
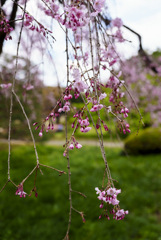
{"x": 46, "y": 217}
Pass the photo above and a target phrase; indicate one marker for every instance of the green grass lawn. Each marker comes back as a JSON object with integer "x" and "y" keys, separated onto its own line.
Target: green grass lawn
{"x": 46, "y": 217}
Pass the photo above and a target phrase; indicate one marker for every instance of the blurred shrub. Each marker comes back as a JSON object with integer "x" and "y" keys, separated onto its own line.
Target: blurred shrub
{"x": 147, "y": 141}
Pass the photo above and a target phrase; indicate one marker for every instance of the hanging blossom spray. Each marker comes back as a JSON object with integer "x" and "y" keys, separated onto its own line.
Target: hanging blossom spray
{"x": 91, "y": 76}
{"x": 90, "y": 64}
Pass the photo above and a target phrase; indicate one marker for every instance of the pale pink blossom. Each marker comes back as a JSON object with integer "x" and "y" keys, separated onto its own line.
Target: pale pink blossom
{"x": 40, "y": 134}
{"x": 102, "y": 96}
{"x": 98, "y": 5}
{"x": 80, "y": 86}
{"x": 84, "y": 122}
{"x": 120, "y": 214}
{"x": 5, "y": 86}
{"x": 96, "y": 108}
{"x": 97, "y": 190}
{"x": 114, "y": 201}
{"x": 77, "y": 145}
{"x": 20, "y": 191}
{"x": 85, "y": 130}
{"x": 64, "y": 153}
{"x": 111, "y": 191}
{"x": 71, "y": 146}
{"x": 117, "y": 22}
{"x": 60, "y": 110}
{"x": 28, "y": 87}
{"x": 66, "y": 108}
{"x": 119, "y": 36}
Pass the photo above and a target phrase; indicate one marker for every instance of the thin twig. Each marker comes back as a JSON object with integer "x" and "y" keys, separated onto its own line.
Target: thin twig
{"x": 29, "y": 174}
{"x": 12, "y": 183}
{"x": 4, "y": 186}
{"x": 29, "y": 126}
{"x": 24, "y": 11}
{"x": 60, "y": 171}
{"x": 79, "y": 193}
{"x": 68, "y": 161}
{"x": 77, "y": 211}
{"x": 11, "y": 104}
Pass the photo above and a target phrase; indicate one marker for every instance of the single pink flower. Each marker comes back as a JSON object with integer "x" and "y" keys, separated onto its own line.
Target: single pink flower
{"x": 71, "y": 146}
{"x": 40, "y": 134}
{"x": 77, "y": 145}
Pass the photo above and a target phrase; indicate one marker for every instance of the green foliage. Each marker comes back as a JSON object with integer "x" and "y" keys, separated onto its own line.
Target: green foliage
{"x": 147, "y": 141}
{"x": 46, "y": 217}
{"x": 157, "y": 53}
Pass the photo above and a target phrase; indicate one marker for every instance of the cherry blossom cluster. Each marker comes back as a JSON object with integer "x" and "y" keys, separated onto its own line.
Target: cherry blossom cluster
{"x": 20, "y": 191}
{"x": 75, "y": 17}
{"x": 147, "y": 95}
{"x": 50, "y": 119}
{"x": 91, "y": 53}
{"x": 5, "y": 27}
{"x": 123, "y": 126}
{"x": 53, "y": 9}
{"x": 98, "y": 5}
{"x": 108, "y": 196}
{"x": 75, "y": 14}
{"x": 78, "y": 86}
{"x": 109, "y": 56}
{"x": 70, "y": 145}
{"x": 35, "y": 26}
{"x": 117, "y": 23}
{"x": 82, "y": 122}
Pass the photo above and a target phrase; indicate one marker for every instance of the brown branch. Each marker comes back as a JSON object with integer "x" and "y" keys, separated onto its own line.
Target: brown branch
{"x": 53, "y": 169}
{"x": 29, "y": 174}
{"x": 9, "y": 180}
{"x": 29, "y": 126}
{"x": 68, "y": 160}
{"x": 142, "y": 53}
{"x": 11, "y": 97}
{"x": 4, "y": 186}
{"x": 79, "y": 193}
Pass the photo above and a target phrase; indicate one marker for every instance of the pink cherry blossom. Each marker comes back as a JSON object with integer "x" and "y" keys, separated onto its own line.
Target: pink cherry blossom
{"x": 20, "y": 191}
{"x": 102, "y": 96}
{"x": 117, "y": 22}
{"x": 71, "y": 146}
{"x": 5, "y": 86}
{"x": 80, "y": 86}
{"x": 111, "y": 191}
{"x": 109, "y": 196}
{"x": 96, "y": 108}
{"x": 77, "y": 145}
{"x": 40, "y": 134}
{"x": 85, "y": 130}
{"x": 28, "y": 86}
{"x": 114, "y": 201}
{"x": 98, "y": 5}
{"x": 120, "y": 214}
{"x": 84, "y": 122}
